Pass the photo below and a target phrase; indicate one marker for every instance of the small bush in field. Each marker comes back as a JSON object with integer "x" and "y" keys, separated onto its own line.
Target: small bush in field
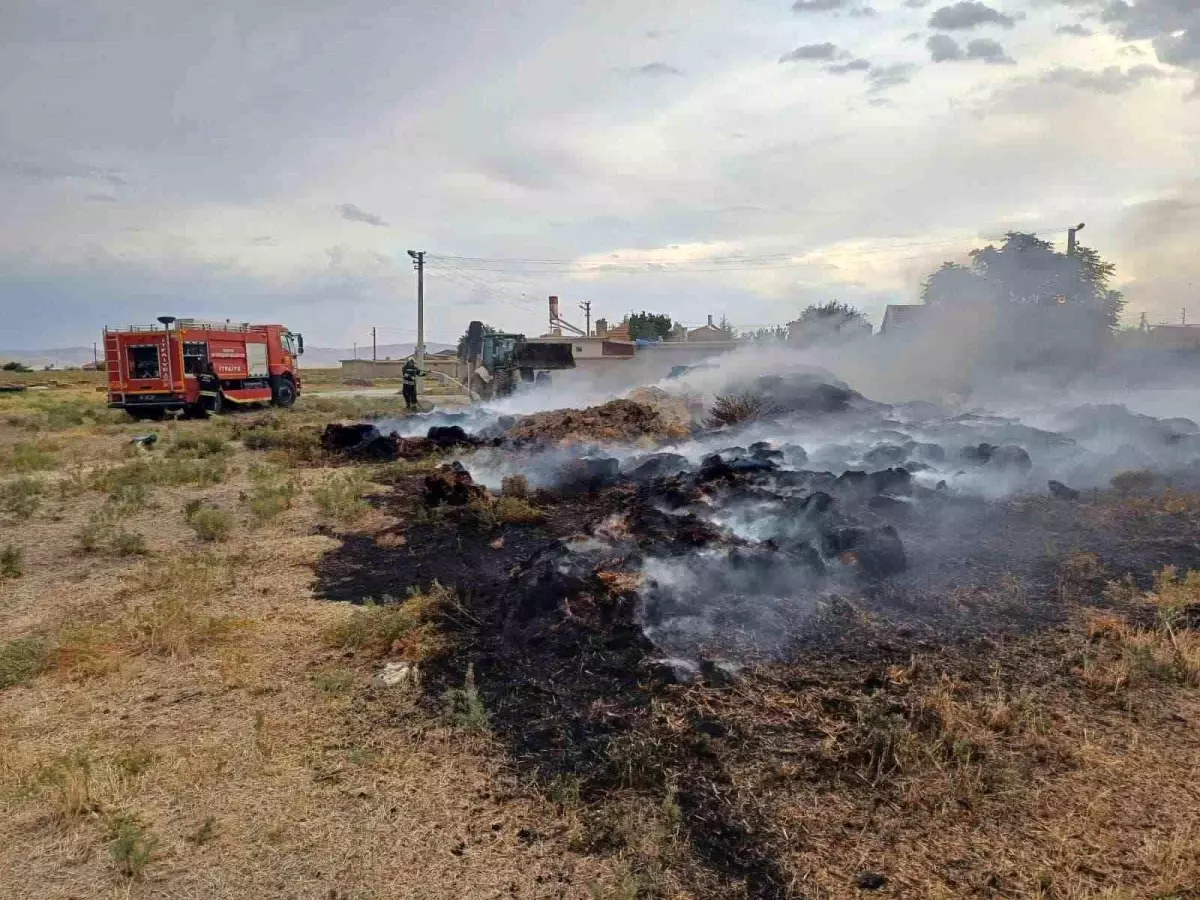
{"x": 22, "y": 659}
{"x": 10, "y": 562}
{"x": 410, "y": 628}
{"x": 202, "y": 447}
{"x": 209, "y": 523}
{"x": 131, "y": 849}
{"x": 31, "y": 458}
{"x": 341, "y": 497}
{"x": 21, "y": 497}
{"x": 270, "y": 496}
{"x": 1133, "y": 481}
{"x": 516, "y": 486}
{"x": 128, "y": 543}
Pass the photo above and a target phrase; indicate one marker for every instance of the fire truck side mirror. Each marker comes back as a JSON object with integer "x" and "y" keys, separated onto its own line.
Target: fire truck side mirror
{"x": 299, "y": 345}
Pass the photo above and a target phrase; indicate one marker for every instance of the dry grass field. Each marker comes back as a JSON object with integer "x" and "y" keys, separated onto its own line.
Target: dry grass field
{"x": 182, "y": 716}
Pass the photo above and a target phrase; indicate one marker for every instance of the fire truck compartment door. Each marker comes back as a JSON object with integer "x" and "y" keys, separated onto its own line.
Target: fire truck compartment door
{"x": 256, "y": 356}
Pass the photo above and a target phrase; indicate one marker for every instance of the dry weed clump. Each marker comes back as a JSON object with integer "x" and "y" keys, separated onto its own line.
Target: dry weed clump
{"x": 410, "y": 629}
{"x": 173, "y": 623}
{"x": 492, "y": 512}
{"x": 292, "y": 445}
{"x": 341, "y": 497}
{"x": 1127, "y": 655}
{"x": 1133, "y": 481}
{"x": 11, "y": 562}
{"x": 271, "y": 495}
{"x": 515, "y": 486}
{"x": 26, "y": 458}
{"x": 22, "y": 659}
{"x": 21, "y": 497}
{"x": 209, "y": 522}
{"x": 198, "y": 447}
{"x": 737, "y": 409}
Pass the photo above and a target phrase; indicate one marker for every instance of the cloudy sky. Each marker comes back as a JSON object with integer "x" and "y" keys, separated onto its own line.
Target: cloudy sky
{"x": 274, "y": 160}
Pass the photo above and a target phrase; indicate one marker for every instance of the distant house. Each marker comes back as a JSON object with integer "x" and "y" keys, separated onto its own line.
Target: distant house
{"x": 899, "y": 317}
{"x": 709, "y": 332}
{"x": 619, "y": 333}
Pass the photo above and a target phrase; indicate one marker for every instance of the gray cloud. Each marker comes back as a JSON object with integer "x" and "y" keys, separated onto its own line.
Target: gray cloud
{"x": 1074, "y": 29}
{"x": 880, "y": 78}
{"x": 263, "y": 240}
{"x": 916, "y": 4}
{"x": 806, "y": 6}
{"x": 864, "y": 12}
{"x": 988, "y": 51}
{"x": 42, "y": 171}
{"x": 943, "y": 48}
{"x": 968, "y": 14}
{"x": 809, "y": 52}
{"x": 1173, "y": 26}
{"x": 656, "y": 70}
{"x": 854, "y": 65}
{"x": 357, "y": 214}
{"x": 1109, "y": 80}
{"x": 102, "y": 198}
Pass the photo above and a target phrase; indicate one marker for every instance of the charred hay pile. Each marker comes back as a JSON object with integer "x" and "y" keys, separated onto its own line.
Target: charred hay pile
{"x": 715, "y": 626}
{"x": 730, "y": 542}
{"x": 616, "y": 422}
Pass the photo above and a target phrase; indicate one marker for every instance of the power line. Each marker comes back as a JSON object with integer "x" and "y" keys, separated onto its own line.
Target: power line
{"x": 729, "y": 263}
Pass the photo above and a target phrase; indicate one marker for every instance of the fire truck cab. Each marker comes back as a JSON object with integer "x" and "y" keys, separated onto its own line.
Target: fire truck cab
{"x": 191, "y": 365}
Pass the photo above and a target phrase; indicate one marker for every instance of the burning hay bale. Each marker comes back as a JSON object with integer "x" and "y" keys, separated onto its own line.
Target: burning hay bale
{"x": 452, "y": 485}
{"x": 359, "y": 441}
{"x": 615, "y": 422}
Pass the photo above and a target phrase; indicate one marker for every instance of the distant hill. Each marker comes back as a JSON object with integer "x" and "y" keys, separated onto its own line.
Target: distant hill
{"x": 314, "y": 357}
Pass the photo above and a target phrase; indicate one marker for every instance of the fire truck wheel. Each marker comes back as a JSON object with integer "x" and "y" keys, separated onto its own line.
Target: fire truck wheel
{"x": 285, "y": 392}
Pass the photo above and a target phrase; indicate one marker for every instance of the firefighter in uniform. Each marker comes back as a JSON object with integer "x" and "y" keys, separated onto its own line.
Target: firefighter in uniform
{"x": 411, "y": 373}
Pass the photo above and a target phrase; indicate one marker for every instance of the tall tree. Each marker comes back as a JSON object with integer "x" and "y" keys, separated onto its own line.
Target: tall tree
{"x": 1027, "y": 271}
{"x": 829, "y": 322}
{"x": 1041, "y": 307}
{"x": 649, "y": 326}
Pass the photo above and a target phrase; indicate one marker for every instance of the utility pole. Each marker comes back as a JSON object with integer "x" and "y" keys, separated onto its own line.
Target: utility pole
{"x": 418, "y": 257}
{"x": 1071, "y": 232}
{"x": 374, "y": 356}
{"x": 586, "y": 306}
{"x": 1183, "y": 316}
{"x": 356, "y": 349}
{"x": 95, "y": 355}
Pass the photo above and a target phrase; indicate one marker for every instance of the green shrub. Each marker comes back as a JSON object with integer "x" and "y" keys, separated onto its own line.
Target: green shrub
{"x": 21, "y": 497}
{"x": 464, "y": 707}
{"x": 1133, "y": 481}
{"x": 209, "y": 523}
{"x": 410, "y": 628}
{"x": 268, "y": 498}
{"x": 301, "y": 445}
{"x": 31, "y": 458}
{"x": 202, "y": 447}
{"x": 341, "y": 497}
{"x": 132, "y": 848}
{"x": 10, "y": 562}
{"x": 22, "y": 659}
{"x": 128, "y": 543}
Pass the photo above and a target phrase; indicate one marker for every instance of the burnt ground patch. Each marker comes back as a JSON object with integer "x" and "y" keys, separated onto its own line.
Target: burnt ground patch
{"x": 709, "y": 768}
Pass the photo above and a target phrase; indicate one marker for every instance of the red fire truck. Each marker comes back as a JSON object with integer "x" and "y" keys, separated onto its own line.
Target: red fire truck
{"x": 194, "y": 366}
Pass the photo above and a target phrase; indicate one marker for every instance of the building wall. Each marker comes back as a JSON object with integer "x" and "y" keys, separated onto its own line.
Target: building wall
{"x": 371, "y": 370}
